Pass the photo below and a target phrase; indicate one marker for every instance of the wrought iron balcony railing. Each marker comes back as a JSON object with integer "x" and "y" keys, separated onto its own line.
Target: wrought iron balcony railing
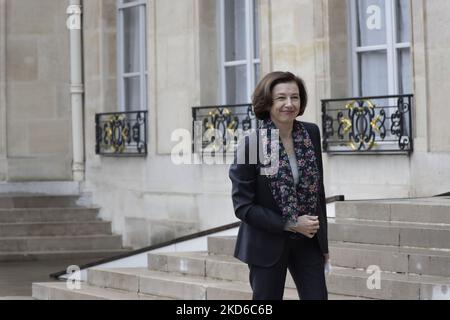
{"x": 368, "y": 125}
{"x": 217, "y": 128}
{"x": 121, "y": 133}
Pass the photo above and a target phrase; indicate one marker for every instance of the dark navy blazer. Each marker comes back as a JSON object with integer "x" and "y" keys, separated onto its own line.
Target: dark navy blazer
{"x": 261, "y": 238}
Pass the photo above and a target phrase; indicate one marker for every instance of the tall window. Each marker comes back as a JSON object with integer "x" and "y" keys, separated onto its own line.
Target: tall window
{"x": 381, "y": 47}
{"x": 240, "y": 62}
{"x": 132, "y": 64}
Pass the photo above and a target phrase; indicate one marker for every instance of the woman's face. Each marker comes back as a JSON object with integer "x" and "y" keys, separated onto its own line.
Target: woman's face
{"x": 286, "y": 103}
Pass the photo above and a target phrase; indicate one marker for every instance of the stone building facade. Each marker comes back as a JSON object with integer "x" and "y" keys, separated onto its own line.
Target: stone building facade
{"x": 181, "y": 50}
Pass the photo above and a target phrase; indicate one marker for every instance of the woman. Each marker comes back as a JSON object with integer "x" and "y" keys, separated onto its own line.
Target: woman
{"x": 283, "y": 211}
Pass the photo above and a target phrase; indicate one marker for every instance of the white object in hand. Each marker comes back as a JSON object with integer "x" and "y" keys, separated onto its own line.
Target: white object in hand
{"x": 328, "y": 267}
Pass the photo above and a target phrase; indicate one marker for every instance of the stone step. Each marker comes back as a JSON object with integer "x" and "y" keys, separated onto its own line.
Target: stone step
{"x": 74, "y": 255}
{"x": 37, "y": 201}
{"x": 391, "y": 258}
{"x": 60, "y": 291}
{"x": 221, "y": 267}
{"x": 378, "y": 233}
{"x": 66, "y": 188}
{"x": 200, "y": 264}
{"x": 47, "y": 214}
{"x": 351, "y": 255}
{"x": 341, "y": 281}
{"x": 62, "y": 243}
{"x": 360, "y": 255}
{"x": 178, "y": 286}
{"x": 392, "y": 286}
{"x": 365, "y": 231}
{"x": 389, "y": 233}
{"x": 35, "y": 229}
{"x": 395, "y": 258}
{"x": 221, "y": 245}
{"x": 421, "y": 211}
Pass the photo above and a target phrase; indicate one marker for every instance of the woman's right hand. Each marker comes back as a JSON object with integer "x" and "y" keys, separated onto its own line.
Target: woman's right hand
{"x": 307, "y": 225}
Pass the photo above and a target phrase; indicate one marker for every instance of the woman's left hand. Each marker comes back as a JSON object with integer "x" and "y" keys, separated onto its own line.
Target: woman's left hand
{"x": 327, "y": 265}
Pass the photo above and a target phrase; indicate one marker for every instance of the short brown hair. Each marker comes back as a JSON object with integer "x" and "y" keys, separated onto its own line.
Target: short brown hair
{"x": 262, "y": 96}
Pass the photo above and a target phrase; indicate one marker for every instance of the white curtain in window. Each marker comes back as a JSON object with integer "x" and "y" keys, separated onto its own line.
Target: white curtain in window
{"x": 235, "y": 35}
{"x": 257, "y": 73}
{"x": 236, "y": 78}
{"x": 403, "y": 21}
{"x": 256, "y": 46}
{"x": 131, "y": 63}
{"x": 131, "y": 49}
{"x": 235, "y": 50}
{"x": 405, "y": 71}
{"x": 374, "y": 76}
{"x": 256, "y": 29}
{"x": 382, "y": 32}
{"x": 131, "y": 39}
{"x": 404, "y": 54}
{"x": 240, "y": 52}
{"x": 371, "y": 22}
{"x": 132, "y": 94}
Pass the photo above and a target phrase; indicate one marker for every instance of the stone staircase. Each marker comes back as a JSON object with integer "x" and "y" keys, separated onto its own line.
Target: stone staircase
{"x": 53, "y": 228}
{"x": 407, "y": 241}
{"x": 212, "y": 275}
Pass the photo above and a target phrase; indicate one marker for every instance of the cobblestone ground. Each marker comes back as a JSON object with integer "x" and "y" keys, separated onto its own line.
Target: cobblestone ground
{"x": 16, "y": 277}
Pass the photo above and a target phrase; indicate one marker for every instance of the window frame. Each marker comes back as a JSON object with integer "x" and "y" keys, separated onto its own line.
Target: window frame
{"x": 142, "y": 73}
{"x": 391, "y": 47}
{"x": 252, "y": 60}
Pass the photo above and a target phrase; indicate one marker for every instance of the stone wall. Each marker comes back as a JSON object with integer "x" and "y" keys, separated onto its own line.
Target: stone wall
{"x": 3, "y": 160}
{"x": 437, "y": 42}
{"x": 150, "y": 200}
{"x": 37, "y": 108}
{"x": 425, "y": 172}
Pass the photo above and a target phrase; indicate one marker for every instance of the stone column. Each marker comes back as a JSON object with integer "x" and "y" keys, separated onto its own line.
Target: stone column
{"x": 76, "y": 88}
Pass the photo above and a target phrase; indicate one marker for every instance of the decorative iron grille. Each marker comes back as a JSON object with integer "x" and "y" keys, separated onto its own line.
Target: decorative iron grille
{"x": 368, "y": 125}
{"x": 217, "y": 128}
{"x": 121, "y": 133}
